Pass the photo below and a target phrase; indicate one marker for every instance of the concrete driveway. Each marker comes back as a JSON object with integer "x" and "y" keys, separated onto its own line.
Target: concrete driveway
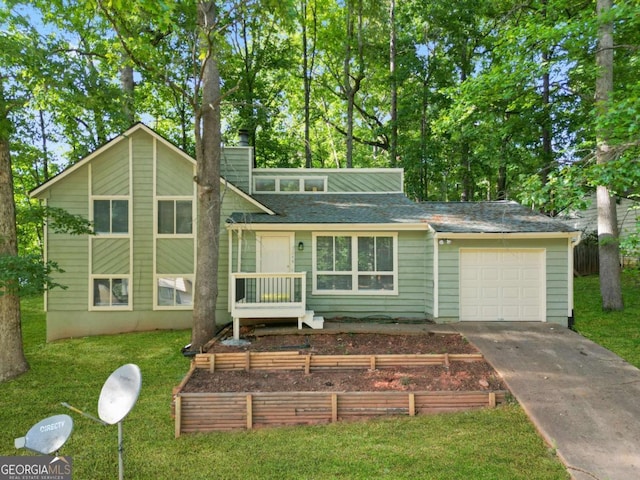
{"x": 584, "y": 400}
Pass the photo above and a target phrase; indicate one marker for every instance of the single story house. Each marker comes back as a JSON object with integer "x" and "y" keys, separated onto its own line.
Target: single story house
{"x": 295, "y": 243}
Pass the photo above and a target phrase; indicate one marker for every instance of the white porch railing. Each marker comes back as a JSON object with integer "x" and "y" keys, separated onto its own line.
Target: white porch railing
{"x": 267, "y": 295}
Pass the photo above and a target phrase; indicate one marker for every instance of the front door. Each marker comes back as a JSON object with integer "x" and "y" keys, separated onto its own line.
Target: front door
{"x": 274, "y": 254}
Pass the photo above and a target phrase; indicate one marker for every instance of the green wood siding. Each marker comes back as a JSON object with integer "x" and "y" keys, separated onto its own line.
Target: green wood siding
{"x": 175, "y": 255}
{"x": 236, "y": 165}
{"x": 69, "y": 251}
{"x": 64, "y": 324}
{"x": 110, "y": 256}
{"x": 232, "y": 202}
{"x": 365, "y": 182}
{"x": 174, "y": 173}
{"x": 410, "y": 301}
{"x": 345, "y": 180}
{"x": 556, "y": 275}
{"x": 429, "y": 280}
{"x": 143, "y": 282}
{"x": 110, "y": 172}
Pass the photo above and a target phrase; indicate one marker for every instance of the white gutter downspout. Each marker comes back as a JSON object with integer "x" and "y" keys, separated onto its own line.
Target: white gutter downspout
{"x": 572, "y": 242}
{"x": 436, "y": 281}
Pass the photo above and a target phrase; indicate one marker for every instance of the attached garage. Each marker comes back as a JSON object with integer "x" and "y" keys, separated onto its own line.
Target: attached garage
{"x": 502, "y": 284}
{"x": 498, "y": 261}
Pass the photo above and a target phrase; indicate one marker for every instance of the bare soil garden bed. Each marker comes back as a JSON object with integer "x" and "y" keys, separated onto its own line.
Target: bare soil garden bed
{"x": 321, "y": 378}
{"x": 457, "y": 375}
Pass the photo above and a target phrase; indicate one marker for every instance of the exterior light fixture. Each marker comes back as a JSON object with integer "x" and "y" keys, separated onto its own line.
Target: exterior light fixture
{"x": 300, "y": 246}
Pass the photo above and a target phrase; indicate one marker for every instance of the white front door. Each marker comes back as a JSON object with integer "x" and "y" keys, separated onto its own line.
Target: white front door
{"x": 275, "y": 254}
{"x": 502, "y": 284}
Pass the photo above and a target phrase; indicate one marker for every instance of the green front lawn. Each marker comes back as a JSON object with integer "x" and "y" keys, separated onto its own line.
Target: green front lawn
{"x": 488, "y": 444}
{"x": 617, "y": 331}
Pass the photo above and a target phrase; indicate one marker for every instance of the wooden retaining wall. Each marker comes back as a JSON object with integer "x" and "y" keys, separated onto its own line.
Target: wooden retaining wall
{"x": 309, "y": 362}
{"x": 205, "y": 412}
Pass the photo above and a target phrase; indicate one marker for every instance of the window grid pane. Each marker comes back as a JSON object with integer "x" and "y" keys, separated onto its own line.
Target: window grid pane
{"x": 183, "y": 216}
{"x": 165, "y": 216}
{"x": 102, "y": 216}
{"x": 119, "y": 216}
{"x": 174, "y": 291}
{"x": 109, "y": 292}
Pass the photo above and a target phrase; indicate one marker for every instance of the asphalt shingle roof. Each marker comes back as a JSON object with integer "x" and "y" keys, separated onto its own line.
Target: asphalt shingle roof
{"x": 333, "y": 208}
{"x": 396, "y": 208}
{"x": 488, "y": 217}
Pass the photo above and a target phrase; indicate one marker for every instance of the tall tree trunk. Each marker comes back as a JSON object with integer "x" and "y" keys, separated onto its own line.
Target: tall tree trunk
{"x": 609, "y": 247}
{"x": 349, "y": 93}
{"x": 352, "y": 79}
{"x": 393, "y": 147}
{"x": 465, "y": 147}
{"x": 127, "y": 85}
{"x": 12, "y": 359}
{"x": 308, "y": 60}
{"x": 208, "y": 146}
{"x": 547, "y": 146}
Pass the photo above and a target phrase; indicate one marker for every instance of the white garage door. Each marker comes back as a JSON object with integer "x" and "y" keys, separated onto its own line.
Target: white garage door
{"x": 502, "y": 284}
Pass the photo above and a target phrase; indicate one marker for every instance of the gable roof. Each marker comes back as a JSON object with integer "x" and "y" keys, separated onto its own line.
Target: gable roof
{"x": 488, "y": 217}
{"x": 123, "y": 136}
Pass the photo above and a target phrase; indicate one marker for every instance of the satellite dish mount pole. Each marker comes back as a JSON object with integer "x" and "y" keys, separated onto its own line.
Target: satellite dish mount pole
{"x": 120, "y": 451}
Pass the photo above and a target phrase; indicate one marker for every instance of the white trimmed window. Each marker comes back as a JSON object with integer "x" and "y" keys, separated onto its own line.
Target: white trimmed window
{"x": 174, "y": 292}
{"x": 111, "y": 216}
{"x": 110, "y": 292}
{"x": 363, "y": 263}
{"x": 175, "y": 217}
{"x": 289, "y": 184}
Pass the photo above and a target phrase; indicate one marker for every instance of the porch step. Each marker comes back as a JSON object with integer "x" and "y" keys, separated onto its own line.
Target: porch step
{"x": 315, "y": 322}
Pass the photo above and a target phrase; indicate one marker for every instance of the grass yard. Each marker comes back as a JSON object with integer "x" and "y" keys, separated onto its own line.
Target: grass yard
{"x": 617, "y": 331}
{"x": 489, "y": 444}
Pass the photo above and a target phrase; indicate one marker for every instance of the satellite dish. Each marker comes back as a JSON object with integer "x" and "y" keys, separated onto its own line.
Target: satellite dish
{"x": 48, "y": 435}
{"x": 119, "y": 393}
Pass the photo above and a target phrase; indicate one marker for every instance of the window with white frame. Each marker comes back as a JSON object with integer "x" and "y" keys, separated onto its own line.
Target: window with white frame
{"x": 175, "y": 217}
{"x": 355, "y": 263}
{"x": 111, "y": 216}
{"x": 111, "y": 292}
{"x": 174, "y": 291}
{"x": 289, "y": 184}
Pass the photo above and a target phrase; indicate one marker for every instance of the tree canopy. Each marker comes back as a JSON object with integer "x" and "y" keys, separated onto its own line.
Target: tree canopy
{"x": 475, "y": 99}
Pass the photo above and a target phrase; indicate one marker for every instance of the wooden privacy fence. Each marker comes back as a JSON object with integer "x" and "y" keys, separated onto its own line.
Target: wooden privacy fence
{"x": 204, "y": 412}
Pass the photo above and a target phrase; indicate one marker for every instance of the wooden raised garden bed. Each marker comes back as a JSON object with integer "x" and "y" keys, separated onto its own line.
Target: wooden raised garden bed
{"x": 210, "y": 411}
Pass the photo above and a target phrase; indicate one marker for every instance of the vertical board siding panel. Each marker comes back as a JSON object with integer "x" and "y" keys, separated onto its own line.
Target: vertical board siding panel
{"x": 142, "y": 275}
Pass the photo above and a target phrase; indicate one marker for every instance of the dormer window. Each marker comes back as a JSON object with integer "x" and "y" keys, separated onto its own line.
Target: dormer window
{"x": 289, "y": 184}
